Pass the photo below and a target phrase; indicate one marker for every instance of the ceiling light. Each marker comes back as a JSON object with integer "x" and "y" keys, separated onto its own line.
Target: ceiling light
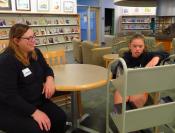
{"x": 136, "y": 3}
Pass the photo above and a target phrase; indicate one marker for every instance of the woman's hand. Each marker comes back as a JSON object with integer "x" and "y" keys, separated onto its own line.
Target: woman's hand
{"x": 42, "y": 119}
{"x": 49, "y": 87}
{"x": 153, "y": 62}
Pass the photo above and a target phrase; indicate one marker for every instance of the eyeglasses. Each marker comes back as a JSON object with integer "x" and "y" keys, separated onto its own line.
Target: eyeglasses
{"x": 30, "y": 38}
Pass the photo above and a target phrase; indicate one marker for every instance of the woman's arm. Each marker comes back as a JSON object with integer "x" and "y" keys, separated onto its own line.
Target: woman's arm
{"x": 49, "y": 85}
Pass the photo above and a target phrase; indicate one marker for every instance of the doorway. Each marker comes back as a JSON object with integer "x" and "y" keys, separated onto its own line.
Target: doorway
{"x": 89, "y": 21}
{"x": 109, "y": 21}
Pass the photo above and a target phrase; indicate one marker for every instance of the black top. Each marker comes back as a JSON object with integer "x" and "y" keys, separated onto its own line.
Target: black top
{"x": 21, "y": 86}
{"x": 141, "y": 61}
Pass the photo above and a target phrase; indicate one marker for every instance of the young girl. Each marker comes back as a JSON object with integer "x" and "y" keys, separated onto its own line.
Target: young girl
{"x": 138, "y": 57}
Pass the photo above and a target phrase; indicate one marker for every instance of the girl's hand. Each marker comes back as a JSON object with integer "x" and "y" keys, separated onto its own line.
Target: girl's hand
{"x": 153, "y": 62}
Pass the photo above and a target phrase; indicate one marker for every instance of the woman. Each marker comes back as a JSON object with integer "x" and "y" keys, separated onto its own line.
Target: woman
{"x": 138, "y": 57}
{"x": 26, "y": 85}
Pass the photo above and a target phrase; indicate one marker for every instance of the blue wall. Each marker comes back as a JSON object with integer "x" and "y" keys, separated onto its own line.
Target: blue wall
{"x": 108, "y": 4}
{"x": 88, "y": 2}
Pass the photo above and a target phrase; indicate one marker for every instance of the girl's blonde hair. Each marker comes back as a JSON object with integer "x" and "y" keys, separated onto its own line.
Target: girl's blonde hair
{"x": 17, "y": 31}
{"x": 137, "y": 36}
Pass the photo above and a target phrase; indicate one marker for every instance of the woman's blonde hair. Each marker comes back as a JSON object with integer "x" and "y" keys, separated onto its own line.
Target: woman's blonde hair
{"x": 17, "y": 31}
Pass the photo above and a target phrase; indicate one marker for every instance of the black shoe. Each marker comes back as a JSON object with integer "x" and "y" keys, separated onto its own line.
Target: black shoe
{"x": 145, "y": 131}
{"x": 167, "y": 99}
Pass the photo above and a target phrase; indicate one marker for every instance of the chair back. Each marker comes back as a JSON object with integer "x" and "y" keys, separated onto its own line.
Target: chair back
{"x": 109, "y": 40}
{"x": 173, "y": 45}
{"x": 77, "y": 50}
{"x": 150, "y": 42}
{"x": 55, "y": 57}
{"x": 140, "y": 80}
{"x": 86, "y": 51}
{"x": 116, "y": 48}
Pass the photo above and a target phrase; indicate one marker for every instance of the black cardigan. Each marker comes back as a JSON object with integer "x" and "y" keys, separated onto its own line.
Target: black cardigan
{"x": 141, "y": 61}
{"x": 21, "y": 86}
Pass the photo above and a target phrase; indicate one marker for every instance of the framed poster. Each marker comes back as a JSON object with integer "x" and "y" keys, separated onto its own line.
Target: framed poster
{"x": 68, "y": 6}
{"x": 23, "y": 5}
{"x": 55, "y": 5}
{"x": 43, "y": 5}
{"x": 5, "y": 5}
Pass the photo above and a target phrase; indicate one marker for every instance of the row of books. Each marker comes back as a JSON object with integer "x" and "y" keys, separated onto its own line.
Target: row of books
{"x": 42, "y": 31}
{"x": 44, "y": 40}
{"x": 34, "y": 20}
{"x": 67, "y": 46}
{"x": 3, "y": 44}
{"x": 135, "y": 26}
{"x": 4, "y": 32}
{"x": 55, "y": 39}
{"x": 55, "y": 30}
{"x": 136, "y": 20}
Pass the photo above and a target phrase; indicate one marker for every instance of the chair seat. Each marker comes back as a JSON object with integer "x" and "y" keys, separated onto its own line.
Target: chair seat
{"x": 60, "y": 93}
{"x": 62, "y": 98}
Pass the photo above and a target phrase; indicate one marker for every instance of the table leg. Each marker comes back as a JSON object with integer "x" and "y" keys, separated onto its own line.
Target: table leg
{"x": 74, "y": 110}
{"x": 74, "y": 113}
{"x": 79, "y": 104}
{"x": 75, "y": 116}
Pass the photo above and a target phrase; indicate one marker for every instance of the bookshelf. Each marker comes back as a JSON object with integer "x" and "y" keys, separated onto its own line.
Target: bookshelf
{"x": 51, "y": 30}
{"x": 135, "y": 23}
{"x": 163, "y": 22}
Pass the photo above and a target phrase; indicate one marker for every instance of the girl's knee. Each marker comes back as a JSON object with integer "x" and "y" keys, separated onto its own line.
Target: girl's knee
{"x": 118, "y": 98}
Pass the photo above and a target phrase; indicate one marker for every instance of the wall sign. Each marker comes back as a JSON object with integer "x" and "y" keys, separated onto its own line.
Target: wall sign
{"x": 43, "y": 5}
{"x": 68, "y": 6}
{"x": 55, "y": 5}
{"x": 5, "y": 5}
{"x": 23, "y": 5}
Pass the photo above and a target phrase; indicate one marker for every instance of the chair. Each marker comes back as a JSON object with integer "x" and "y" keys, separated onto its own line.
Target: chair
{"x": 151, "y": 44}
{"x": 120, "y": 47}
{"x": 93, "y": 54}
{"x": 109, "y": 40}
{"x": 57, "y": 58}
{"x": 173, "y": 46}
{"x": 77, "y": 50}
{"x": 139, "y": 80}
{"x": 86, "y": 51}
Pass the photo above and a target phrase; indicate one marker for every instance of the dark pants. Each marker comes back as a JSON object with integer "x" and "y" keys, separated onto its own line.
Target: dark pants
{"x": 12, "y": 123}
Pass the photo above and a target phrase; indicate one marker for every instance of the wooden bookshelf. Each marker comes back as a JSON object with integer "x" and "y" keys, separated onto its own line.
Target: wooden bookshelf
{"x": 135, "y": 23}
{"x": 50, "y": 29}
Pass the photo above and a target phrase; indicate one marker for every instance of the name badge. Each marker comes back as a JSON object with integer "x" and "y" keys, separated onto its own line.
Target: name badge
{"x": 26, "y": 72}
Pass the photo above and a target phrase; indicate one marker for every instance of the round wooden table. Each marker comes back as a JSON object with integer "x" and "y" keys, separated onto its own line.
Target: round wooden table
{"x": 79, "y": 77}
{"x": 109, "y": 57}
